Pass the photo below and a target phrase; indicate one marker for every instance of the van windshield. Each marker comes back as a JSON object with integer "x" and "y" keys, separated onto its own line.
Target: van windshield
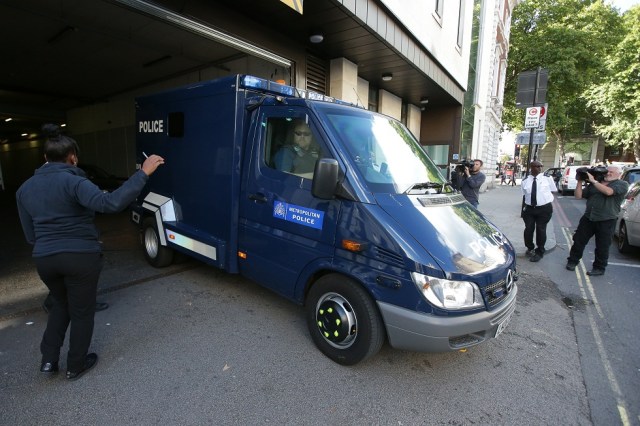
{"x": 384, "y": 152}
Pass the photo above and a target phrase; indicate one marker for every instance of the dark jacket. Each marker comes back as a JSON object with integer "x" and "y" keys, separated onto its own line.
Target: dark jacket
{"x": 294, "y": 159}
{"x": 57, "y": 206}
{"x": 469, "y": 186}
{"x": 604, "y": 207}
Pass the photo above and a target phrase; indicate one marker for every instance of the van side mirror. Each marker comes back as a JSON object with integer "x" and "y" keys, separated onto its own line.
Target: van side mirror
{"x": 325, "y": 178}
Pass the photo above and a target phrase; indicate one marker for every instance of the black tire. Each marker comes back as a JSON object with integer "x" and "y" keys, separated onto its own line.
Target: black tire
{"x": 623, "y": 239}
{"x": 156, "y": 254}
{"x": 343, "y": 320}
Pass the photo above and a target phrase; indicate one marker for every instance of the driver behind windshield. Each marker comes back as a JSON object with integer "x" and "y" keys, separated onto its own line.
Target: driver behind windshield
{"x": 299, "y": 155}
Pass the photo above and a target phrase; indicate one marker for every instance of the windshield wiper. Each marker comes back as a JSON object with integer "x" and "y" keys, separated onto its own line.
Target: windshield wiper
{"x": 426, "y": 185}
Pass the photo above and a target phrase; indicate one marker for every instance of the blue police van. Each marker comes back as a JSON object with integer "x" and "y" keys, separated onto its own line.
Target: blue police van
{"x": 332, "y": 206}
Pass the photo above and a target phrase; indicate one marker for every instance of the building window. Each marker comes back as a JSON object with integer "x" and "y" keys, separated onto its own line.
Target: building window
{"x": 439, "y": 8}
{"x": 373, "y": 99}
{"x": 461, "y": 24}
{"x": 404, "y": 113}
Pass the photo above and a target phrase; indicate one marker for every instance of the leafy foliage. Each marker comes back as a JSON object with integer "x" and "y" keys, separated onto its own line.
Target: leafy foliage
{"x": 617, "y": 96}
{"x": 571, "y": 39}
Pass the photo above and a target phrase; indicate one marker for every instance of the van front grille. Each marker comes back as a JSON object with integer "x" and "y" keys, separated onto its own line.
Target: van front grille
{"x": 495, "y": 293}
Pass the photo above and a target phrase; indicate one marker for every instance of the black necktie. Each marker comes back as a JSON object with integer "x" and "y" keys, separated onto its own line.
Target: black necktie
{"x": 534, "y": 197}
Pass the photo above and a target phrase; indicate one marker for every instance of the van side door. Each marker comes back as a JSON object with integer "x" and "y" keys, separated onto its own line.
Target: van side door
{"x": 283, "y": 228}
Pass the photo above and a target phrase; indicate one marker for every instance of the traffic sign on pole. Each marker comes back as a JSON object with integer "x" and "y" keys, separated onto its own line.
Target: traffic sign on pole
{"x": 532, "y": 88}
{"x": 543, "y": 117}
{"x": 532, "y": 118}
{"x": 539, "y": 138}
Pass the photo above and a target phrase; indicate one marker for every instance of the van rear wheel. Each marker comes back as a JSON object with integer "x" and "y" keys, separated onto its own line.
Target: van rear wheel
{"x": 156, "y": 254}
{"x": 343, "y": 320}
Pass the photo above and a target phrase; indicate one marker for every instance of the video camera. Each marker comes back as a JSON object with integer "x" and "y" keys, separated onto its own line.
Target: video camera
{"x": 598, "y": 173}
{"x": 464, "y": 163}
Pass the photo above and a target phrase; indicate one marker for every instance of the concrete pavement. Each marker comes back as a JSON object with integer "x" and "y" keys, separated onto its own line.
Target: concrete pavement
{"x": 501, "y": 205}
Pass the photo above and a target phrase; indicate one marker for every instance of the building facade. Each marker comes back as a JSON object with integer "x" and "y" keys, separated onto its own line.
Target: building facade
{"x": 482, "y": 120}
{"x": 408, "y": 59}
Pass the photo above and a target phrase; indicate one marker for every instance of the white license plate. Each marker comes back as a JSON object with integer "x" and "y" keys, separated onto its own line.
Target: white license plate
{"x": 503, "y": 325}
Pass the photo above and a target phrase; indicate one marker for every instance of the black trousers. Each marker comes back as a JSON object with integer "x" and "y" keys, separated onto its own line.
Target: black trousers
{"x": 603, "y": 231}
{"x": 72, "y": 279}
{"x": 536, "y": 220}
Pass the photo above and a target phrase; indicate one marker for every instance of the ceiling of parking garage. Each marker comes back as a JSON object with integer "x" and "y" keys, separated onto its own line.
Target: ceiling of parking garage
{"x": 61, "y": 54}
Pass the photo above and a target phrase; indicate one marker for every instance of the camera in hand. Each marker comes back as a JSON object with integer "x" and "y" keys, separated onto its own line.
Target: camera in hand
{"x": 461, "y": 165}
{"x": 598, "y": 173}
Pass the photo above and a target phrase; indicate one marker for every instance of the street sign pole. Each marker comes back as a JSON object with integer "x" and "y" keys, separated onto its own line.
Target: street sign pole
{"x": 535, "y": 100}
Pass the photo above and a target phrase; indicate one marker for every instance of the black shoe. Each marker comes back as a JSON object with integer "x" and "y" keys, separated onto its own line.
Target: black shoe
{"x": 595, "y": 272}
{"x": 89, "y": 362}
{"x": 101, "y": 306}
{"x": 49, "y": 367}
{"x": 571, "y": 266}
{"x": 535, "y": 258}
{"x": 530, "y": 253}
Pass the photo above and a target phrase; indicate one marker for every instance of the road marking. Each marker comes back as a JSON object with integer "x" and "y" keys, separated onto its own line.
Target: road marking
{"x": 563, "y": 221}
{"x": 627, "y": 265}
{"x": 613, "y": 383}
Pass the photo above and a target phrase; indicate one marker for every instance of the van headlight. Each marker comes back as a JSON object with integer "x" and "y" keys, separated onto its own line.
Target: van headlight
{"x": 448, "y": 294}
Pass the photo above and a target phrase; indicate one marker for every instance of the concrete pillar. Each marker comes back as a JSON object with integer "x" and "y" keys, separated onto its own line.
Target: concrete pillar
{"x": 390, "y": 105}
{"x": 414, "y": 120}
{"x": 343, "y": 80}
{"x": 363, "y": 93}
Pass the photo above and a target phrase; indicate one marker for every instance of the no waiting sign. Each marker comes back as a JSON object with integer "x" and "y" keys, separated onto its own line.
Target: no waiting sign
{"x": 543, "y": 117}
{"x": 532, "y": 118}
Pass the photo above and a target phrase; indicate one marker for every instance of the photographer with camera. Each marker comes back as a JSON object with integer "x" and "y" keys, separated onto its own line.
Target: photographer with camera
{"x": 604, "y": 192}
{"x": 468, "y": 179}
{"x": 537, "y": 209}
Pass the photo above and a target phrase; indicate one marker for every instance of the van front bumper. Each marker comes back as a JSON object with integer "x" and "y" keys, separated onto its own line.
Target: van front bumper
{"x": 419, "y": 332}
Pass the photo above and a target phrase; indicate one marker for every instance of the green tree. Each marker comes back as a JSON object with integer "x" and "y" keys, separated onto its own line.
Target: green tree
{"x": 571, "y": 39}
{"x": 617, "y": 96}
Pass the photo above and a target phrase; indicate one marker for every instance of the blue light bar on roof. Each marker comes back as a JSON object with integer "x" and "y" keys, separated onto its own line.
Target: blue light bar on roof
{"x": 251, "y": 82}
{"x": 263, "y": 85}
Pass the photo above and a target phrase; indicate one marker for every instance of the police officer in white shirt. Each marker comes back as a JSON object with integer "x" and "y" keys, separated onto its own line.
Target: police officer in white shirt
{"x": 537, "y": 209}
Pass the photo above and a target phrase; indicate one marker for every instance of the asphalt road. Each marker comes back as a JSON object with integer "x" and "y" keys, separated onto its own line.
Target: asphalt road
{"x": 606, "y": 321}
{"x": 193, "y": 345}
{"x": 604, "y": 309}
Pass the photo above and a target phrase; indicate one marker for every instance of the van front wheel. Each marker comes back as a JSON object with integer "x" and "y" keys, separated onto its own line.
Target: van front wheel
{"x": 343, "y": 320}
{"x": 156, "y": 254}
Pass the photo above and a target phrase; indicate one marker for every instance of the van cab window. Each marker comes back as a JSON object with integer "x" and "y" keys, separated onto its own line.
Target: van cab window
{"x": 384, "y": 152}
{"x": 291, "y": 146}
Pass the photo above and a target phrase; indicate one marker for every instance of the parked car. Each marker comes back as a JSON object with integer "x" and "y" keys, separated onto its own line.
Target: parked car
{"x": 567, "y": 182}
{"x": 631, "y": 174}
{"x": 555, "y": 173}
{"x": 628, "y": 224}
{"x": 101, "y": 178}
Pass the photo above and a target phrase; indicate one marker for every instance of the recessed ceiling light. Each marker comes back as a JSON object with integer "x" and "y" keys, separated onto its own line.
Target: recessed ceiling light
{"x": 316, "y": 38}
